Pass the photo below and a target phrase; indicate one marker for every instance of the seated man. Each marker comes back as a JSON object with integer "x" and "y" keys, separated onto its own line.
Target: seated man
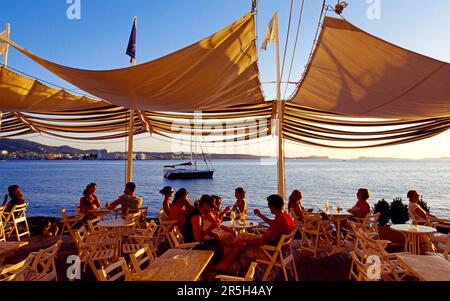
{"x": 417, "y": 213}
{"x": 128, "y": 200}
{"x": 248, "y": 245}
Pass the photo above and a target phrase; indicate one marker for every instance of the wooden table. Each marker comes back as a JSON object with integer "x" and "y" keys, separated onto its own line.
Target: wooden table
{"x": 176, "y": 265}
{"x": 6, "y": 248}
{"x": 117, "y": 223}
{"x": 412, "y": 234}
{"x": 427, "y": 267}
{"x": 238, "y": 225}
{"x": 100, "y": 212}
{"x": 337, "y": 216}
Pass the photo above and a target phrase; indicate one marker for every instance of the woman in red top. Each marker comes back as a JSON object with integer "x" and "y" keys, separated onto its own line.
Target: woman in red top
{"x": 89, "y": 201}
{"x": 181, "y": 206}
{"x": 362, "y": 206}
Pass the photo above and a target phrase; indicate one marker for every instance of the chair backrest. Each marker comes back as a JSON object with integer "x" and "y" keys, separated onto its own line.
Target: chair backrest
{"x": 447, "y": 249}
{"x": 152, "y": 227}
{"x": 176, "y": 237}
{"x": 141, "y": 258}
{"x": 44, "y": 265}
{"x": 92, "y": 224}
{"x": 16, "y": 271}
{"x": 250, "y": 276}
{"x": 161, "y": 216}
{"x": 79, "y": 237}
{"x": 361, "y": 267}
{"x": 116, "y": 271}
{"x": 312, "y": 223}
{"x": 297, "y": 219}
{"x": 371, "y": 222}
{"x": 19, "y": 212}
{"x": 2, "y": 228}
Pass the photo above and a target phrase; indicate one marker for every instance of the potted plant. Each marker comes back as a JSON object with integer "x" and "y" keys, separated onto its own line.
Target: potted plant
{"x": 384, "y": 221}
{"x": 399, "y": 212}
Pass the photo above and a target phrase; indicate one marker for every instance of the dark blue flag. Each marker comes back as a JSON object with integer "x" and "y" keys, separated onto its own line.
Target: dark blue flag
{"x": 131, "y": 49}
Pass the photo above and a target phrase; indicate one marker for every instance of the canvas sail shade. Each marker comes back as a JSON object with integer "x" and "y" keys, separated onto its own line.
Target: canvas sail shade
{"x": 356, "y": 74}
{"x": 217, "y": 72}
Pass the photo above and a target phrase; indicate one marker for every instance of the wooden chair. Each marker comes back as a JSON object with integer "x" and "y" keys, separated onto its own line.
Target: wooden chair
{"x": 368, "y": 224}
{"x": 15, "y": 220}
{"x": 280, "y": 256}
{"x": 2, "y": 229}
{"x": 362, "y": 268}
{"x": 115, "y": 271}
{"x": 390, "y": 267}
{"x": 142, "y": 221}
{"x": 15, "y": 272}
{"x": 164, "y": 227}
{"x": 315, "y": 233}
{"x": 69, "y": 222}
{"x": 43, "y": 267}
{"x": 176, "y": 240}
{"x": 248, "y": 277}
{"x": 140, "y": 238}
{"x": 298, "y": 220}
{"x": 141, "y": 258}
{"x": 95, "y": 249}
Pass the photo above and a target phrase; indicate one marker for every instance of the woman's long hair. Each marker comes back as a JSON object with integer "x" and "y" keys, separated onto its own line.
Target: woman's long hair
{"x": 295, "y": 195}
{"x": 179, "y": 194}
{"x": 86, "y": 191}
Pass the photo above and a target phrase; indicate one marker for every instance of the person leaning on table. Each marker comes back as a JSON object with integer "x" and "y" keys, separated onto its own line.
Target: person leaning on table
{"x": 128, "y": 200}
{"x": 248, "y": 246}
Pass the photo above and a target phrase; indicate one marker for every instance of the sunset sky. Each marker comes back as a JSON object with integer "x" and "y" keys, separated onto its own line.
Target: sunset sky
{"x": 98, "y": 41}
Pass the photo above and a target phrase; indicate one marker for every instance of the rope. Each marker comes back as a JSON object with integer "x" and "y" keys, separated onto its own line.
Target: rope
{"x": 319, "y": 26}
{"x": 295, "y": 46}
{"x": 287, "y": 39}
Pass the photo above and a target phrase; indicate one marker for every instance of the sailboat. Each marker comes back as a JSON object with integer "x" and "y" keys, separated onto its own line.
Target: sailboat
{"x": 189, "y": 170}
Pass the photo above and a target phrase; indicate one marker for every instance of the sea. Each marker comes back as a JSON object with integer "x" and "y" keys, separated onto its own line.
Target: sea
{"x": 50, "y": 186}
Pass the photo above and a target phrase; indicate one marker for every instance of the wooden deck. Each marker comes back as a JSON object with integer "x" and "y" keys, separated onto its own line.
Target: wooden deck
{"x": 332, "y": 268}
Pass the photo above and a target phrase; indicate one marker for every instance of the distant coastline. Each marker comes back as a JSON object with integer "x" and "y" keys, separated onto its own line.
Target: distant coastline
{"x": 18, "y": 149}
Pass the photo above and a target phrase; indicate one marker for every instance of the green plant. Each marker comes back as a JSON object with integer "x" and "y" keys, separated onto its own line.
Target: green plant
{"x": 384, "y": 209}
{"x": 399, "y": 212}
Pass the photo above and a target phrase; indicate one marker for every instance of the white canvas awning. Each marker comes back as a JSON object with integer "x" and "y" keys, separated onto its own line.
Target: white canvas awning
{"x": 356, "y": 74}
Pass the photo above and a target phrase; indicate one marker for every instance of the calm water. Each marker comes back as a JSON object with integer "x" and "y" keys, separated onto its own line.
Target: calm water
{"x": 52, "y": 185}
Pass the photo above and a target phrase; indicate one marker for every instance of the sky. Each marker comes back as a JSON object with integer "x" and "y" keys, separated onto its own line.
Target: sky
{"x": 98, "y": 40}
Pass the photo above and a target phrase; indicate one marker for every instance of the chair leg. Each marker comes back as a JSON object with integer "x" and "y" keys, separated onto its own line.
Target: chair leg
{"x": 268, "y": 270}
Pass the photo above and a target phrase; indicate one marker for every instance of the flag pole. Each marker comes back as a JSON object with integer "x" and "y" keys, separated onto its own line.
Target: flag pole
{"x": 5, "y": 62}
{"x": 5, "y": 54}
{"x": 280, "y": 108}
{"x": 131, "y": 131}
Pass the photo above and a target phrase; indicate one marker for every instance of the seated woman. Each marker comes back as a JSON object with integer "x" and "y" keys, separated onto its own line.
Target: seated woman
{"x": 248, "y": 245}
{"x": 179, "y": 208}
{"x": 215, "y": 217}
{"x": 295, "y": 203}
{"x": 16, "y": 198}
{"x": 241, "y": 204}
{"x": 167, "y": 192}
{"x": 89, "y": 201}
{"x": 362, "y": 206}
{"x": 416, "y": 212}
{"x": 193, "y": 230}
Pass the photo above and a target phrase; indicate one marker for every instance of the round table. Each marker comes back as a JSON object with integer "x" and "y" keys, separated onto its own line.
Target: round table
{"x": 100, "y": 212}
{"x": 238, "y": 225}
{"x": 412, "y": 234}
{"x": 117, "y": 223}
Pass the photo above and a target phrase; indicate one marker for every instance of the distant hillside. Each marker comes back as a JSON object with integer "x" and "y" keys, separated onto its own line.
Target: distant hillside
{"x": 18, "y": 145}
